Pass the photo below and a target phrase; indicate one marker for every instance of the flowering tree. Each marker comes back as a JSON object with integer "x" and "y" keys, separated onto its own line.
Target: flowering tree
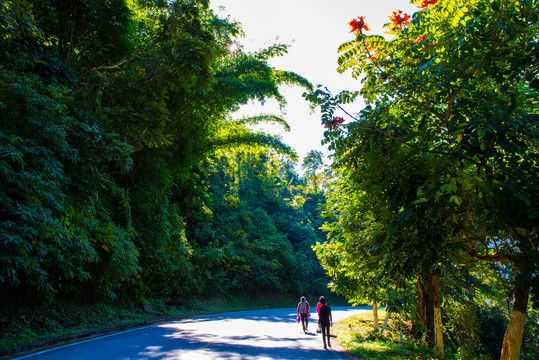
{"x": 456, "y": 85}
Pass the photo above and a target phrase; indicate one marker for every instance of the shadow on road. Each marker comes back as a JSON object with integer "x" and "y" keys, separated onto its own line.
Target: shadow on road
{"x": 173, "y": 343}
{"x": 189, "y": 346}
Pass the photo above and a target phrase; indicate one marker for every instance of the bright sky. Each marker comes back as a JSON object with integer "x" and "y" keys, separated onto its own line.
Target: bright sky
{"x": 315, "y": 29}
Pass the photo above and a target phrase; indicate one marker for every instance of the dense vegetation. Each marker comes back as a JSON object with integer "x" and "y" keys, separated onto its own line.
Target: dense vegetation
{"x": 123, "y": 175}
{"x": 434, "y": 203}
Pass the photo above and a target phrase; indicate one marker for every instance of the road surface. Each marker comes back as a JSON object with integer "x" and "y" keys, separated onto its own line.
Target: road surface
{"x": 258, "y": 334}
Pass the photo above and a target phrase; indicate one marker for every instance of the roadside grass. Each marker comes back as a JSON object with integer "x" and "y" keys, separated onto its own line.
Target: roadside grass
{"x": 356, "y": 334}
{"x": 29, "y": 324}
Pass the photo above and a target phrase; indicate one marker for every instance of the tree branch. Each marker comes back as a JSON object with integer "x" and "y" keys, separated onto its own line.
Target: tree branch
{"x": 396, "y": 139}
{"x": 487, "y": 258}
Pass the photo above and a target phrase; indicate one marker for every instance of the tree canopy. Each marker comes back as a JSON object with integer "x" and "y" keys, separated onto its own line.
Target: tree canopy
{"x": 442, "y": 160}
{"x": 116, "y": 136}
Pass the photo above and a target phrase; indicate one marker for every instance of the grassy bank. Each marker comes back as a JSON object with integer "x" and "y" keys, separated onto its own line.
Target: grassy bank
{"x": 356, "y": 334}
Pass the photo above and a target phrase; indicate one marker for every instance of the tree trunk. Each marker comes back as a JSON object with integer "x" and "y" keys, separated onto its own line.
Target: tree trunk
{"x": 375, "y": 314}
{"x": 419, "y": 309}
{"x": 437, "y": 315}
{"x": 428, "y": 306}
{"x": 515, "y": 329}
{"x": 385, "y": 322}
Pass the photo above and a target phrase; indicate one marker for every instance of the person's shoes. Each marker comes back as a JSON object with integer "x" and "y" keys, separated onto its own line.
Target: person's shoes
{"x": 329, "y": 345}
{"x": 325, "y": 347}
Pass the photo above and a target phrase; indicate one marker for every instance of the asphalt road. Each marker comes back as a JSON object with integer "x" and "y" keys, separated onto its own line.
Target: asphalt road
{"x": 259, "y": 334}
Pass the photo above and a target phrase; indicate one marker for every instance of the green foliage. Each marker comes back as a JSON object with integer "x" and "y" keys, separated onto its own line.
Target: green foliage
{"x": 109, "y": 110}
{"x": 53, "y": 157}
{"x": 530, "y": 347}
{"x": 264, "y": 118}
{"x": 356, "y": 334}
{"x": 248, "y": 241}
{"x": 311, "y": 163}
{"x": 464, "y": 328}
{"x": 439, "y": 168}
{"x": 493, "y": 322}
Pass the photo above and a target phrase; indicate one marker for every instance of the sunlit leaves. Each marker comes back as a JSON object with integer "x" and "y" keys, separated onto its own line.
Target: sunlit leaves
{"x": 447, "y": 97}
{"x": 260, "y": 230}
{"x": 107, "y": 109}
{"x": 264, "y": 118}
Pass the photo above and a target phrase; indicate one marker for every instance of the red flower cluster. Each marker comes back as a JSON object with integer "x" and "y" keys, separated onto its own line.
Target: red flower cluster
{"x": 425, "y": 4}
{"x": 398, "y": 18}
{"x": 333, "y": 124}
{"x": 419, "y": 39}
{"x": 358, "y": 25}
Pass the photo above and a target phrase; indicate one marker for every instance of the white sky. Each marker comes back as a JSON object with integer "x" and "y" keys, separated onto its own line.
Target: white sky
{"x": 315, "y": 29}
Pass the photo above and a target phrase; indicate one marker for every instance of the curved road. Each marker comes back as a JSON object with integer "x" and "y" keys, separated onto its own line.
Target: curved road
{"x": 258, "y": 334}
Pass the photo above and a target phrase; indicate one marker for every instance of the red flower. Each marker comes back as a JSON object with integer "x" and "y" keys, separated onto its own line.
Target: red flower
{"x": 358, "y": 25}
{"x": 419, "y": 39}
{"x": 333, "y": 124}
{"x": 330, "y": 126}
{"x": 425, "y": 4}
{"x": 398, "y": 18}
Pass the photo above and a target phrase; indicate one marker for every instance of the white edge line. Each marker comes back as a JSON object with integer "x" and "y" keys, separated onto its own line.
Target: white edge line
{"x": 75, "y": 342}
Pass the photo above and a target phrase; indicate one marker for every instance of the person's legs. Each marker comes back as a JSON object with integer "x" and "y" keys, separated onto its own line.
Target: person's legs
{"x": 304, "y": 322}
{"x": 324, "y": 327}
{"x": 325, "y": 334}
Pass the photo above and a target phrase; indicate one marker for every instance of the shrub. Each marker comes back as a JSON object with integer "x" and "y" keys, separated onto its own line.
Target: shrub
{"x": 493, "y": 323}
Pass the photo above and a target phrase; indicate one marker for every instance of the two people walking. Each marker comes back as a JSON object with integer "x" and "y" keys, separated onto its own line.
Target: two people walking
{"x": 325, "y": 320}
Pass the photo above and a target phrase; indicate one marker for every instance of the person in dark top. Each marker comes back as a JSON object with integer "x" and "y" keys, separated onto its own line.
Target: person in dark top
{"x": 325, "y": 320}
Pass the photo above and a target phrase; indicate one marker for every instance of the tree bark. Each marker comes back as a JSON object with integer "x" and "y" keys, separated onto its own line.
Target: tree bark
{"x": 515, "y": 329}
{"x": 438, "y": 334}
{"x": 428, "y": 305}
{"x": 420, "y": 310}
{"x": 385, "y": 322}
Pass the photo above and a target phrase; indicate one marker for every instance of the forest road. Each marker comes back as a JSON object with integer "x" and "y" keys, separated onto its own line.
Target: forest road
{"x": 257, "y": 334}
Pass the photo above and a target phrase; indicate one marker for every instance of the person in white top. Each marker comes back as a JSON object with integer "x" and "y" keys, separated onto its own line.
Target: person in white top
{"x": 303, "y": 311}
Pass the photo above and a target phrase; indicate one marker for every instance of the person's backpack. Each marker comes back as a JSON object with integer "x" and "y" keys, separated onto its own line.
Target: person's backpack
{"x": 303, "y": 307}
